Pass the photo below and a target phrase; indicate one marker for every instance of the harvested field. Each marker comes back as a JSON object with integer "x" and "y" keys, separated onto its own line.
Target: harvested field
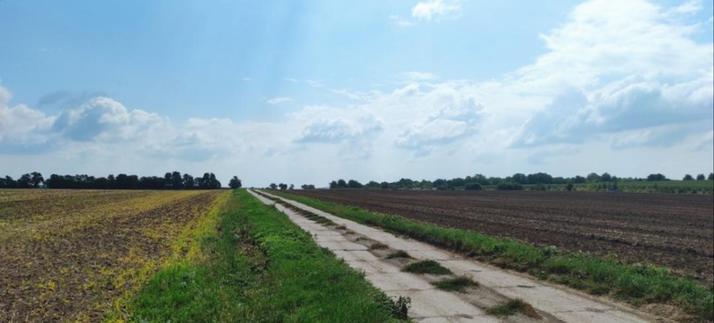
{"x": 670, "y": 230}
{"x": 70, "y": 255}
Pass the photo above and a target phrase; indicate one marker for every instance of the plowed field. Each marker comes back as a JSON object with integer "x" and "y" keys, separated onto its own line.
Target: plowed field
{"x": 675, "y": 231}
{"x": 69, "y": 255}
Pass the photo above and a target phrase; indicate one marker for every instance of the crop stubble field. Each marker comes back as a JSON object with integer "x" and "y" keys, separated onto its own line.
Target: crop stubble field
{"x": 670, "y": 230}
{"x": 71, "y": 254}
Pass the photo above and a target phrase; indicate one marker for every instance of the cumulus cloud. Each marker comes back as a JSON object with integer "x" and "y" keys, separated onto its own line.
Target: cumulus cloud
{"x": 21, "y": 128}
{"x": 106, "y": 119}
{"x": 334, "y": 125}
{"x": 610, "y": 70}
{"x": 434, "y": 9}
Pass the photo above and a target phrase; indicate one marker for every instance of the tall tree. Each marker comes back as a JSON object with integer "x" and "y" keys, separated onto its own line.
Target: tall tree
{"x": 36, "y": 179}
{"x": 235, "y": 183}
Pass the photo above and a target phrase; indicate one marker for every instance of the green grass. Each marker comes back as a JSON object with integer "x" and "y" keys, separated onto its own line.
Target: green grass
{"x": 636, "y": 284}
{"x": 456, "y": 284}
{"x": 426, "y": 267}
{"x": 512, "y": 307}
{"x": 399, "y": 254}
{"x": 257, "y": 266}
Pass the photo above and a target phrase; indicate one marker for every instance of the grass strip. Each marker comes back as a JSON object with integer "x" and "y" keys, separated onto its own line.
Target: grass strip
{"x": 426, "y": 267}
{"x": 636, "y": 284}
{"x": 399, "y": 254}
{"x": 254, "y": 265}
{"x": 456, "y": 284}
{"x": 512, "y": 307}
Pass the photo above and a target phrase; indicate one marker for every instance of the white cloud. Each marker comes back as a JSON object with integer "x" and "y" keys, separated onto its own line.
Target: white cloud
{"x": 21, "y": 128}
{"x": 279, "y": 100}
{"x": 433, "y": 9}
{"x": 689, "y": 7}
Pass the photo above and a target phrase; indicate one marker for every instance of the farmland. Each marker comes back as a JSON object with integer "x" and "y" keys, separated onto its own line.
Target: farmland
{"x": 675, "y": 231}
{"x": 168, "y": 255}
{"x": 75, "y": 254}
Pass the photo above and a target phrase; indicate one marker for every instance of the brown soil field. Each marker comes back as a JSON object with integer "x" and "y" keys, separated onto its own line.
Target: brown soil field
{"x": 70, "y": 255}
{"x": 671, "y": 230}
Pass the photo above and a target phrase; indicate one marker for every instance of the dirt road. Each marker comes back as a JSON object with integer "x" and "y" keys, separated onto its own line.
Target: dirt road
{"x": 372, "y": 251}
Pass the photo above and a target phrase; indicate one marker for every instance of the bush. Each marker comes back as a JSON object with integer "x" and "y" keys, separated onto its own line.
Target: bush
{"x": 472, "y": 187}
{"x": 509, "y": 187}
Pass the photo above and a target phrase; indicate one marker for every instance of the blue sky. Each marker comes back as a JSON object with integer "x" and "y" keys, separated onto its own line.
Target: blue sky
{"x": 306, "y": 91}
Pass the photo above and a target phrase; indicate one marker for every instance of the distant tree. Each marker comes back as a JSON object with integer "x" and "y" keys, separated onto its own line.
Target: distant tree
{"x": 405, "y": 183}
{"x": 372, "y": 185}
{"x": 341, "y": 183}
{"x": 579, "y": 179}
{"x": 188, "y": 181}
{"x": 176, "y": 180}
{"x": 539, "y": 178}
{"x": 569, "y": 187}
{"x": 593, "y": 177}
{"x": 168, "y": 179}
{"x": 273, "y": 186}
{"x": 333, "y": 184}
{"x": 656, "y": 177}
{"x": 292, "y": 187}
{"x": 440, "y": 184}
{"x": 688, "y": 178}
{"x": 519, "y": 178}
{"x": 214, "y": 183}
{"x": 235, "y": 183}
{"x": 701, "y": 177}
{"x": 308, "y": 187}
{"x": 509, "y": 187}
{"x": 36, "y": 179}
{"x": 473, "y": 186}
{"x": 7, "y": 182}
{"x": 384, "y": 185}
{"x": 354, "y": 184}
{"x": 605, "y": 177}
{"x": 25, "y": 181}
{"x": 711, "y": 176}
{"x": 283, "y": 186}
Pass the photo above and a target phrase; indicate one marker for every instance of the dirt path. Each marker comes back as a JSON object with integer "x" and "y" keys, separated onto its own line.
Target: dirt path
{"x": 371, "y": 250}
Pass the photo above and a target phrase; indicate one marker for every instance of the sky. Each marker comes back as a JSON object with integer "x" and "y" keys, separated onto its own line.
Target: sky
{"x": 304, "y": 92}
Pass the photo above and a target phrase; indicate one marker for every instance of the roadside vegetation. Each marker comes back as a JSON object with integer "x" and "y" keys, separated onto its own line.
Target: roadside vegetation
{"x": 456, "y": 284}
{"x": 427, "y": 267}
{"x": 250, "y": 263}
{"x": 636, "y": 284}
{"x": 512, "y": 307}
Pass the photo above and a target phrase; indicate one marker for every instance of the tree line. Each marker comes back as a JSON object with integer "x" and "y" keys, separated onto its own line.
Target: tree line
{"x": 171, "y": 180}
{"x": 514, "y": 182}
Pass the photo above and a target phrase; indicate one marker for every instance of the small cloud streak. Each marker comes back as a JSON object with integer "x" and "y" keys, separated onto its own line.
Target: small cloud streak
{"x": 434, "y": 9}
{"x": 279, "y": 100}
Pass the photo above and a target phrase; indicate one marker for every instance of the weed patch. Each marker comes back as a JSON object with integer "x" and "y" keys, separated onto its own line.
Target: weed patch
{"x": 426, "y": 267}
{"x": 456, "y": 284}
{"x": 399, "y": 254}
{"x": 512, "y": 307}
{"x": 378, "y": 246}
